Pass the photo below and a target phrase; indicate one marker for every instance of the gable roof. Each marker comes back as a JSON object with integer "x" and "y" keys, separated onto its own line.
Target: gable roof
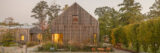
{"x": 78, "y": 6}
{"x": 35, "y": 30}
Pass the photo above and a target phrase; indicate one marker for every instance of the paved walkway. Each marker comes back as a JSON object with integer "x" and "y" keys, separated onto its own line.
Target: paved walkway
{"x": 32, "y": 49}
{"x": 120, "y": 51}
{"x": 18, "y": 49}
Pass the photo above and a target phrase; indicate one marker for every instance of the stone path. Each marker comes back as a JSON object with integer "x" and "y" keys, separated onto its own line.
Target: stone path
{"x": 18, "y": 49}
{"x": 32, "y": 49}
{"x": 120, "y": 51}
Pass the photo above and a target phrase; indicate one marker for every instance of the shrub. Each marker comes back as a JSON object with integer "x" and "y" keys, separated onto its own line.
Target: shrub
{"x": 47, "y": 46}
{"x": 144, "y": 34}
{"x": 8, "y": 43}
{"x": 30, "y": 44}
{"x": 87, "y": 48}
{"x": 8, "y": 39}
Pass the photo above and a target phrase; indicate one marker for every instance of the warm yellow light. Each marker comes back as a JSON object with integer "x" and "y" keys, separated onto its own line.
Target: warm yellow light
{"x": 22, "y": 37}
{"x": 39, "y": 36}
{"x": 95, "y": 38}
{"x": 55, "y": 37}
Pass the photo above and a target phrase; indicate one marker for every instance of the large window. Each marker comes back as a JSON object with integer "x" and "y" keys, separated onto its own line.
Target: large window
{"x": 95, "y": 38}
{"x": 39, "y": 36}
{"x": 22, "y": 37}
{"x": 57, "y": 38}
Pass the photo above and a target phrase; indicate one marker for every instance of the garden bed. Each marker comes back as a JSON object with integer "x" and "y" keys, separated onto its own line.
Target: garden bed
{"x": 50, "y": 47}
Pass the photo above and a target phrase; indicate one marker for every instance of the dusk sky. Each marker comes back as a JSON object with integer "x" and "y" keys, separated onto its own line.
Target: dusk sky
{"x": 20, "y": 10}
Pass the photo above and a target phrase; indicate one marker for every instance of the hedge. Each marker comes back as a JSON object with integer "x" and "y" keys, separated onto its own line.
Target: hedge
{"x": 145, "y": 34}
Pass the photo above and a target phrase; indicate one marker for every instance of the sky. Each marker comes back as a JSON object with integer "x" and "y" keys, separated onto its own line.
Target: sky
{"x": 20, "y": 10}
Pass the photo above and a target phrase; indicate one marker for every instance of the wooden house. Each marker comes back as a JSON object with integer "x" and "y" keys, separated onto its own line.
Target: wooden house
{"x": 2, "y": 32}
{"x": 21, "y": 35}
{"x": 35, "y": 34}
{"x": 75, "y": 26}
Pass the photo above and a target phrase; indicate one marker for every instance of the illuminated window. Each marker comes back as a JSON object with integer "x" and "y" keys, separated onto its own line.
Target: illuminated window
{"x": 39, "y": 36}
{"x": 57, "y": 38}
{"x": 22, "y": 37}
{"x": 95, "y": 38}
{"x": 61, "y": 39}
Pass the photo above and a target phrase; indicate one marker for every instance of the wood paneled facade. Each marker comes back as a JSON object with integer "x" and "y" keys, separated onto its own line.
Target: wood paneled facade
{"x": 17, "y": 33}
{"x": 35, "y": 32}
{"x": 22, "y": 35}
{"x": 76, "y": 26}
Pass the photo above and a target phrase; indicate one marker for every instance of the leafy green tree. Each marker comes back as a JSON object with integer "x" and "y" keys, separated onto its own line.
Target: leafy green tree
{"x": 40, "y": 13}
{"x": 120, "y": 36}
{"x": 66, "y": 7}
{"x": 8, "y": 39}
{"x": 155, "y": 10}
{"x": 154, "y": 28}
{"x": 9, "y": 22}
{"x": 143, "y": 39}
{"x": 130, "y": 12}
{"x": 53, "y": 11}
{"x": 108, "y": 19}
{"x": 133, "y": 36}
{"x": 144, "y": 34}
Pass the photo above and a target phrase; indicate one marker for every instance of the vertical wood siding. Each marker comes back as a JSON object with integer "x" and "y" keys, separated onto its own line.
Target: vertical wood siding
{"x": 81, "y": 32}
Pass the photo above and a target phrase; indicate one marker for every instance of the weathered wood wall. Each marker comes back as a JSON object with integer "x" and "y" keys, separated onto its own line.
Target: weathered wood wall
{"x": 16, "y": 33}
{"x": 81, "y": 31}
{"x": 20, "y": 32}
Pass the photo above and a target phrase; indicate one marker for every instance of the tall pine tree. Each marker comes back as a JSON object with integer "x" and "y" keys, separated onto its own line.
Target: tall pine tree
{"x": 53, "y": 11}
{"x": 40, "y": 13}
{"x": 108, "y": 19}
{"x": 130, "y": 12}
{"x": 155, "y": 9}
